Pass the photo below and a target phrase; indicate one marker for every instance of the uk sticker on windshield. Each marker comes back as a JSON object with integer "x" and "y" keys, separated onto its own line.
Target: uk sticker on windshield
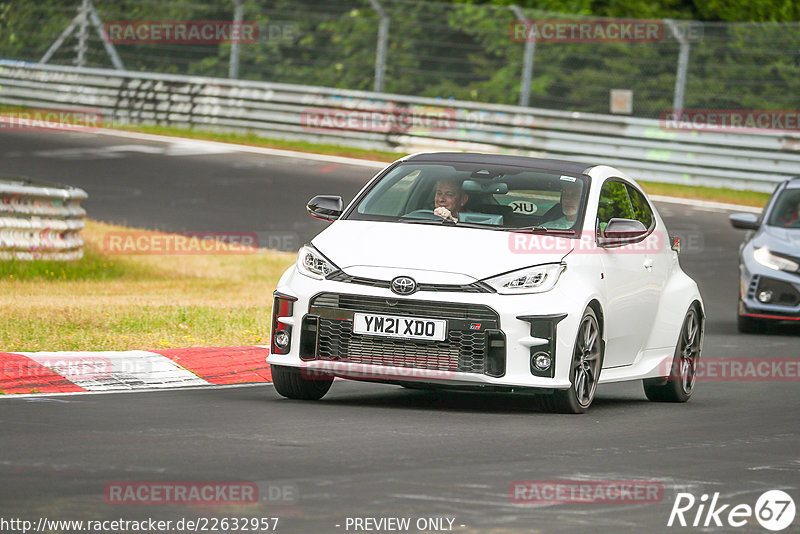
{"x": 568, "y": 178}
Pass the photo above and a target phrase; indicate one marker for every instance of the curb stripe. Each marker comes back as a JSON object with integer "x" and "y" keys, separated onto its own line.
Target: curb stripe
{"x": 224, "y": 365}
{"x": 20, "y": 374}
{"x": 108, "y": 370}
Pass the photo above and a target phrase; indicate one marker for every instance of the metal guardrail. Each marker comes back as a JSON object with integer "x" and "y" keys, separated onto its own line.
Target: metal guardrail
{"x": 40, "y": 220}
{"x": 640, "y": 147}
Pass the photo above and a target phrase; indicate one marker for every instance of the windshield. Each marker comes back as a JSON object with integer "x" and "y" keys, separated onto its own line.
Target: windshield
{"x": 786, "y": 213}
{"x": 491, "y": 196}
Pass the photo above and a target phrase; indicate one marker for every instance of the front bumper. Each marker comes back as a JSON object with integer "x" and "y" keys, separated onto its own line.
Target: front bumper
{"x": 784, "y": 287}
{"x": 468, "y": 356}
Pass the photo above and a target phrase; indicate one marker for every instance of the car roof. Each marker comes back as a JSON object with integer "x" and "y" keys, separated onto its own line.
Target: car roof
{"x": 554, "y": 165}
{"x": 793, "y": 183}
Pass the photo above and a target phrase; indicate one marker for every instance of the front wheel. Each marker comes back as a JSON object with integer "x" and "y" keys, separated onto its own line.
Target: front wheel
{"x": 289, "y": 382}
{"x": 679, "y": 384}
{"x": 587, "y": 360}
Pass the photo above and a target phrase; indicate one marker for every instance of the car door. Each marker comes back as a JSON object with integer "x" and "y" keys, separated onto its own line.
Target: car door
{"x": 631, "y": 295}
{"x": 656, "y": 257}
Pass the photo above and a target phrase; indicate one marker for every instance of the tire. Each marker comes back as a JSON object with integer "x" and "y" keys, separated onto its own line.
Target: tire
{"x": 748, "y": 325}
{"x": 678, "y": 386}
{"x": 585, "y": 367}
{"x": 289, "y": 383}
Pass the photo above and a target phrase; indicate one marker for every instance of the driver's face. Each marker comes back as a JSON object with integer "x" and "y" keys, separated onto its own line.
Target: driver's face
{"x": 570, "y": 199}
{"x": 449, "y": 195}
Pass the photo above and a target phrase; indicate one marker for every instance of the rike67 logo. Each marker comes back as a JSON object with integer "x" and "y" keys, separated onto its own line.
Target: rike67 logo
{"x": 774, "y": 510}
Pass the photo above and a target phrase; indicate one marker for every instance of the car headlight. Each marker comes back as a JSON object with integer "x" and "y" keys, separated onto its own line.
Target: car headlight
{"x": 311, "y": 262}
{"x": 768, "y": 259}
{"x": 529, "y": 280}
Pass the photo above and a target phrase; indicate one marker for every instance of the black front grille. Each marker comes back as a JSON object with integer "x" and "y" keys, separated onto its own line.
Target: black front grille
{"x": 463, "y": 350}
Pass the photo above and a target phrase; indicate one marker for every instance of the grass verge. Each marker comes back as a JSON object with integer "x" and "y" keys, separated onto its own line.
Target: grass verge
{"x": 114, "y": 302}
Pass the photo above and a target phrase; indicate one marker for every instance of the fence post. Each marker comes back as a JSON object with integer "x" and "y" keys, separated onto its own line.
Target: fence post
{"x": 683, "y": 65}
{"x": 86, "y": 13}
{"x": 98, "y": 26}
{"x": 238, "y": 16}
{"x": 527, "y": 61}
{"x": 83, "y": 34}
{"x": 383, "y": 38}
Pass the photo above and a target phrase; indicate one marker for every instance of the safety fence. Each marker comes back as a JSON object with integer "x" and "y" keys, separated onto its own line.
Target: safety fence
{"x": 498, "y": 54}
{"x": 40, "y": 220}
{"x": 667, "y": 150}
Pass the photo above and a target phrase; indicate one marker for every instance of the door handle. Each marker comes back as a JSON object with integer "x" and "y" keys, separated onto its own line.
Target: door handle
{"x": 648, "y": 264}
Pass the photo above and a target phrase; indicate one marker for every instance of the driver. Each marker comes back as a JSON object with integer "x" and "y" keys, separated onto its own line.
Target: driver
{"x": 792, "y": 214}
{"x": 789, "y": 213}
{"x": 449, "y": 199}
{"x": 568, "y": 206}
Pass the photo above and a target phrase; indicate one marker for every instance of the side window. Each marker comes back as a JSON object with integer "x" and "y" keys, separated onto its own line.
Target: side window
{"x": 614, "y": 204}
{"x": 641, "y": 209}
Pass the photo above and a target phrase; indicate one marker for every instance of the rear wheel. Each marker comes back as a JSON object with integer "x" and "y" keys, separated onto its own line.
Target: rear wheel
{"x": 679, "y": 384}
{"x": 289, "y": 382}
{"x": 587, "y": 360}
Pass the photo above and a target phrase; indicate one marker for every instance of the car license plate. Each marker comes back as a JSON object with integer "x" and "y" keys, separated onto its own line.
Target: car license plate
{"x": 395, "y": 326}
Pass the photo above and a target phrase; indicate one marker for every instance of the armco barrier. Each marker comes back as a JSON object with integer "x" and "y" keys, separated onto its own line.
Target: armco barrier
{"x": 641, "y": 147}
{"x": 40, "y": 220}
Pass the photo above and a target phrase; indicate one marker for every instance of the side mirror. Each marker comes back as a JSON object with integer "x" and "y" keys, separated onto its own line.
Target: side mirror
{"x": 620, "y": 232}
{"x": 744, "y": 221}
{"x": 325, "y": 207}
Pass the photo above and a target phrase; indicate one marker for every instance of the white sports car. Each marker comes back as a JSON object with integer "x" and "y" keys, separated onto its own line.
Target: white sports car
{"x": 489, "y": 272}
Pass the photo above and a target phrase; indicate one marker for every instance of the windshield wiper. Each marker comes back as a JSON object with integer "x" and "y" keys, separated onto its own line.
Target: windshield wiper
{"x": 537, "y": 228}
{"x": 449, "y": 222}
{"x": 412, "y": 220}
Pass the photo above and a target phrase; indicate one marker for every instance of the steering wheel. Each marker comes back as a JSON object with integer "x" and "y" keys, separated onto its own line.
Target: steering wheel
{"x": 422, "y": 214}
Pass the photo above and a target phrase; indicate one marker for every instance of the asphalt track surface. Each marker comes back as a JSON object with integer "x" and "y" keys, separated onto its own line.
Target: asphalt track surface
{"x": 371, "y": 450}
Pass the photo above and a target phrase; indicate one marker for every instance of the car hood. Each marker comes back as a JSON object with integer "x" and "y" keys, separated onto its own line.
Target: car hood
{"x": 785, "y": 240}
{"x": 434, "y": 254}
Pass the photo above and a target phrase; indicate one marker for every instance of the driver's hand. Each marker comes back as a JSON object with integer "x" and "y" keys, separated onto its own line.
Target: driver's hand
{"x": 444, "y": 213}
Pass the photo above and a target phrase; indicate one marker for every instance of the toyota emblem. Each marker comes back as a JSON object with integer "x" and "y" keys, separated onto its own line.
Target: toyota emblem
{"x": 403, "y": 285}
